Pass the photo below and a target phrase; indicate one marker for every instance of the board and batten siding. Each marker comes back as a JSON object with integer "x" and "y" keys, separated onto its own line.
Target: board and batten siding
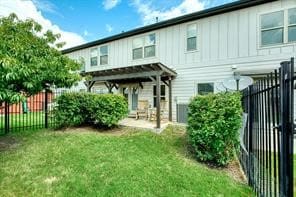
{"x": 223, "y": 40}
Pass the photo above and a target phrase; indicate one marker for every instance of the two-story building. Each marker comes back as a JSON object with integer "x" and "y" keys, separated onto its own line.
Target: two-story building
{"x": 179, "y": 58}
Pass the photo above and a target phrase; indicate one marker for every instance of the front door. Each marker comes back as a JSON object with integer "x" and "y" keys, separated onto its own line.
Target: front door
{"x": 131, "y": 95}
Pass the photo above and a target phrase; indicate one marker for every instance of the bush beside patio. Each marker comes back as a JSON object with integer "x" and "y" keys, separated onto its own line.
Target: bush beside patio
{"x": 213, "y": 127}
{"x": 78, "y": 108}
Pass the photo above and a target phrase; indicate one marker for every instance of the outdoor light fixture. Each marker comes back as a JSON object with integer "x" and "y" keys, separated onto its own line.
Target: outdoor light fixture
{"x": 237, "y": 78}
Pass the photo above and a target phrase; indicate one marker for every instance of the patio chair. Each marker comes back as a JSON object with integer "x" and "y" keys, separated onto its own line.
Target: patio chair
{"x": 142, "y": 110}
{"x": 163, "y": 110}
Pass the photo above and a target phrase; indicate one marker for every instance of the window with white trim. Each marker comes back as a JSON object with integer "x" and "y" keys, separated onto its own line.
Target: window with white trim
{"x": 82, "y": 62}
{"x": 144, "y": 47}
{"x": 191, "y": 37}
{"x": 103, "y": 55}
{"x": 94, "y": 57}
{"x": 149, "y": 46}
{"x": 278, "y": 27}
{"x": 292, "y": 25}
{"x": 272, "y": 28}
{"x": 138, "y": 48}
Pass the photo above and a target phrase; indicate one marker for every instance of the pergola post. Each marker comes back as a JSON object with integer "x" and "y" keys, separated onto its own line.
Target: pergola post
{"x": 90, "y": 85}
{"x": 158, "y": 101}
{"x": 170, "y": 100}
{"x": 109, "y": 87}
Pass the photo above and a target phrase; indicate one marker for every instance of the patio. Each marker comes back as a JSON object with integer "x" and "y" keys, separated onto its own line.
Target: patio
{"x": 156, "y": 73}
{"x": 144, "y": 124}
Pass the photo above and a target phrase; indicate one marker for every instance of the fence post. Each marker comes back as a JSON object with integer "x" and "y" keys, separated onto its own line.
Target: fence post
{"x": 286, "y": 129}
{"x": 250, "y": 132}
{"x": 6, "y": 117}
{"x": 46, "y": 108}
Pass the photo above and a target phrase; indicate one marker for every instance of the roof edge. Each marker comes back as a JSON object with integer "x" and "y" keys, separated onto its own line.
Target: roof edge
{"x": 237, "y": 5}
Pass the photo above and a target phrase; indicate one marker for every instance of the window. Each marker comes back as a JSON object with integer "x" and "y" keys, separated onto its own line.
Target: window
{"x": 94, "y": 57}
{"x": 144, "y": 47}
{"x": 125, "y": 93}
{"x": 191, "y": 37}
{"x": 272, "y": 28}
{"x": 137, "y": 48}
{"x": 278, "y": 27}
{"x": 292, "y": 25}
{"x": 205, "y": 88}
{"x": 162, "y": 94}
{"x": 149, "y": 50}
{"x": 103, "y": 55}
{"x": 82, "y": 62}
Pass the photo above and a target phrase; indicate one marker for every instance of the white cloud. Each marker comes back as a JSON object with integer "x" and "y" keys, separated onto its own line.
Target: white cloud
{"x": 149, "y": 14}
{"x": 85, "y": 33}
{"x": 45, "y": 6}
{"x": 109, "y": 4}
{"x": 27, "y": 9}
{"x": 109, "y": 28}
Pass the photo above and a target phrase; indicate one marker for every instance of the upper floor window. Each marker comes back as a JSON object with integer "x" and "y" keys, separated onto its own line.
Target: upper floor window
{"x": 94, "y": 57}
{"x": 82, "y": 62}
{"x": 144, "y": 47}
{"x": 191, "y": 37}
{"x": 103, "y": 55}
{"x": 278, "y": 27}
{"x": 272, "y": 28}
{"x": 292, "y": 25}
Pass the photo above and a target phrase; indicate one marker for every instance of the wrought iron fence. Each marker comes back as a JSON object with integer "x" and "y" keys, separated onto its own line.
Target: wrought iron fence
{"x": 35, "y": 112}
{"x": 267, "y": 141}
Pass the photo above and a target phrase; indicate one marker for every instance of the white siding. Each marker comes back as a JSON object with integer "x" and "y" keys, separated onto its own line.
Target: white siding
{"x": 223, "y": 40}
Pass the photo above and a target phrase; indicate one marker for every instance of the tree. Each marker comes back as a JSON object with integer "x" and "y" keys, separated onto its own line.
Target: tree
{"x": 30, "y": 60}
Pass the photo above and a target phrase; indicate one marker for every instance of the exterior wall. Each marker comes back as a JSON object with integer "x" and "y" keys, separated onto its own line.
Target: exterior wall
{"x": 144, "y": 94}
{"x": 223, "y": 41}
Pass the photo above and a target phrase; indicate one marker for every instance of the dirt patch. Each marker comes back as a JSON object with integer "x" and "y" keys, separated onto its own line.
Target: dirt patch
{"x": 234, "y": 170}
{"x": 8, "y": 143}
{"x": 116, "y": 131}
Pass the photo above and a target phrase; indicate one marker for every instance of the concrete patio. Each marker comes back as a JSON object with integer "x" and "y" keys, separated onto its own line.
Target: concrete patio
{"x": 144, "y": 124}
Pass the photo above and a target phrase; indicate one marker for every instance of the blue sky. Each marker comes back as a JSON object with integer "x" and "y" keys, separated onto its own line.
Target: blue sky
{"x": 82, "y": 21}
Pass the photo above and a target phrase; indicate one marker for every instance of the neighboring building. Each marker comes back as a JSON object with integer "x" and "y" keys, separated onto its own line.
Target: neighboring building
{"x": 34, "y": 103}
{"x": 194, "y": 52}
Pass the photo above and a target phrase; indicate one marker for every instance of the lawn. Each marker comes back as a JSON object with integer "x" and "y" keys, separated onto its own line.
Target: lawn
{"x": 21, "y": 122}
{"x": 124, "y": 162}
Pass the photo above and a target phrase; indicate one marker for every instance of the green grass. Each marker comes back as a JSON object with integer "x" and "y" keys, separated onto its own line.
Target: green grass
{"x": 122, "y": 163}
{"x": 21, "y": 122}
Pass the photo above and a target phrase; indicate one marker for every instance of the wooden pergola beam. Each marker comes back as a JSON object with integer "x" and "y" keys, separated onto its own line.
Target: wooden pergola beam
{"x": 127, "y": 76}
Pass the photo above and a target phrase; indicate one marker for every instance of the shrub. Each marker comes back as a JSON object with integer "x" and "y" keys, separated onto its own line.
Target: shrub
{"x": 213, "y": 127}
{"x": 108, "y": 109}
{"x": 75, "y": 109}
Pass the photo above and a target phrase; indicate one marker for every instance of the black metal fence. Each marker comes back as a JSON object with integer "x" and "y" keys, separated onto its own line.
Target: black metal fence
{"x": 35, "y": 112}
{"x": 266, "y": 152}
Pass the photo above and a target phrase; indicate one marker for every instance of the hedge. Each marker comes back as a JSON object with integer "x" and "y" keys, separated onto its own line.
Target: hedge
{"x": 78, "y": 108}
{"x": 213, "y": 127}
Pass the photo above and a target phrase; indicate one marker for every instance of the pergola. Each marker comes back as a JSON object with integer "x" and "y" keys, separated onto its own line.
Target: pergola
{"x": 155, "y": 72}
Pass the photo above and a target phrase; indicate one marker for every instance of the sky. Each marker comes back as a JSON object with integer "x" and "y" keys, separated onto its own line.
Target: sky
{"x": 81, "y": 21}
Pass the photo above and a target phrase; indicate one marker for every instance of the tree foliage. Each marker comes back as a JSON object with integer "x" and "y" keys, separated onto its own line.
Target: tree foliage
{"x": 30, "y": 60}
